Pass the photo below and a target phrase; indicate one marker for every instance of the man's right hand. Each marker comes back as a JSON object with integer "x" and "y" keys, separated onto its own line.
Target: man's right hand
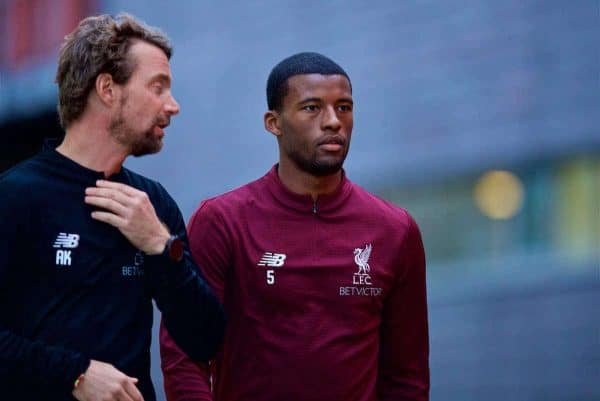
{"x": 104, "y": 382}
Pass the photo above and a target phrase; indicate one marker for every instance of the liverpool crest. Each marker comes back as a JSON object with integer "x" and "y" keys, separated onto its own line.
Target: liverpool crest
{"x": 361, "y": 258}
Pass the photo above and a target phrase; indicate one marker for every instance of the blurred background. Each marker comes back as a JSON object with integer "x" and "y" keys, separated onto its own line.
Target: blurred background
{"x": 482, "y": 118}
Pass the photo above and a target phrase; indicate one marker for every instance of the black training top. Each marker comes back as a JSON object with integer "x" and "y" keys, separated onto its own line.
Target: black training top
{"x": 74, "y": 289}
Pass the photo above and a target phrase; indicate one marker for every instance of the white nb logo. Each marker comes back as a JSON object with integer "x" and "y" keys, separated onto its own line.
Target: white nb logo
{"x": 68, "y": 241}
{"x": 272, "y": 259}
{"x": 65, "y": 240}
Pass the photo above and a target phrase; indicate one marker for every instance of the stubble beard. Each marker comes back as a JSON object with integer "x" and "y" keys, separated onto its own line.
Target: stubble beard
{"x": 315, "y": 167}
{"x": 138, "y": 144}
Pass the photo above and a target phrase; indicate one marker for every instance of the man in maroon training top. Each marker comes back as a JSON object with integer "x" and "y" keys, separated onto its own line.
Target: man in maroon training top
{"x": 323, "y": 282}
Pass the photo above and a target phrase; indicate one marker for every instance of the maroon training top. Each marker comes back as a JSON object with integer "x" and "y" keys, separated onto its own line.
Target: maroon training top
{"x": 325, "y": 301}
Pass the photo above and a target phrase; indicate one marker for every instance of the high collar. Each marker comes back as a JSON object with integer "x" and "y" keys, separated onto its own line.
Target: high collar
{"x": 325, "y": 204}
{"x": 72, "y": 168}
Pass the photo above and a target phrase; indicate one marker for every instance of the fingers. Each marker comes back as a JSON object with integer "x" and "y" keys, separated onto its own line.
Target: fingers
{"x": 127, "y": 390}
{"x": 106, "y": 203}
{"x": 114, "y": 197}
{"x": 103, "y": 381}
{"x": 132, "y": 390}
{"x": 112, "y": 219}
{"x": 110, "y": 193}
{"x": 131, "y": 211}
{"x": 126, "y": 189}
{"x": 123, "y": 396}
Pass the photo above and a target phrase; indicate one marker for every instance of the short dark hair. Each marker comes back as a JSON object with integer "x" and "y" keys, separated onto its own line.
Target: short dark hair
{"x": 100, "y": 44}
{"x": 298, "y": 64}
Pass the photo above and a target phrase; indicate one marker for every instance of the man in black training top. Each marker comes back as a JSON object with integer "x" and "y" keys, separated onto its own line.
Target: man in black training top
{"x": 86, "y": 244}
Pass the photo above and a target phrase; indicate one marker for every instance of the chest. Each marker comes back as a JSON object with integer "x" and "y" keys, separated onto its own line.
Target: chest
{"x": 313, "y": 266}
{"x": 70, "y": 249}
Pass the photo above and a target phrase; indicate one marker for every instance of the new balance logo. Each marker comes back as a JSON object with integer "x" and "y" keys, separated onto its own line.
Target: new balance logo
{"x": 272, "y": 259}
{"x": 64, "y": 240}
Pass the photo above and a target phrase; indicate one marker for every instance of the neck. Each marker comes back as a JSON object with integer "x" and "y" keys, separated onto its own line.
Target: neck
{"x": 304, "y": 183}
{"x": 92, "y": 147}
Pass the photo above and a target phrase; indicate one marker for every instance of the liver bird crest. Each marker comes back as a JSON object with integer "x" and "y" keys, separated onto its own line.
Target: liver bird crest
{"x": 361, "y": 258}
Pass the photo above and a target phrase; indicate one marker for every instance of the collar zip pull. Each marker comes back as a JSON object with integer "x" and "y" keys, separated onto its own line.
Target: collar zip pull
{"x": 314, "y": 207}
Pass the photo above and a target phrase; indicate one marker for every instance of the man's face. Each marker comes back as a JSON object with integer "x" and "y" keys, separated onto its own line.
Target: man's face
{"x": 146, "y": 103}
{"x": 316, "y": 122}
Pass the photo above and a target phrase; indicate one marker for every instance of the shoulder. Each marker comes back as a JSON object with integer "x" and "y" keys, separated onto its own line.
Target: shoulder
{"x": 380, "y": 209}
{"x": 23, "y": 187}
{"x": 394, "y": 223}
{"x": 232, "y": 204}
{"x": 21, "y": 177}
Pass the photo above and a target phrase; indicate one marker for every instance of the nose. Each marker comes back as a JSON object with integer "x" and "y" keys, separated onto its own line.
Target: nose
{"x": 330, "y": 120}
{"x": 172, "y": 107}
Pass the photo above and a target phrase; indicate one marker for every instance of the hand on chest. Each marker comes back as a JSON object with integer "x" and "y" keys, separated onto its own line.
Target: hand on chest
{"x": 74, "y": 248}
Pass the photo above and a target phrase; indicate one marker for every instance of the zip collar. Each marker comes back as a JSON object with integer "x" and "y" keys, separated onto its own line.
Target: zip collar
{"x": 325, "y": 205}
{"x": 74, "y": 170}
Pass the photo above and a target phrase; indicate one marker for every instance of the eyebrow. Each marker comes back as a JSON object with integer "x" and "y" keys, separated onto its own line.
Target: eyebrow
{"x": 318, "y": 100}
{"x": 161, "y": 77}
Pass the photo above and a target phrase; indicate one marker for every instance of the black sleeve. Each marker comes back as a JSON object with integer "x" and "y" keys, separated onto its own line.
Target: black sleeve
{"x": 50, "y": 368}
{"x": 190, "y": 310}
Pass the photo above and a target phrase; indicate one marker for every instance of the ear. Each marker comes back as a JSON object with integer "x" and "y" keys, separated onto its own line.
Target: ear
{"x": 106, "y": 89}
{"x": 272, "y": 125}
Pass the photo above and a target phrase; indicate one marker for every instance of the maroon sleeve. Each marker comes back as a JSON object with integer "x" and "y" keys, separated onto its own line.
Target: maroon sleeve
{"x": 185, "y": 379}
{"x": 404, "y": 352}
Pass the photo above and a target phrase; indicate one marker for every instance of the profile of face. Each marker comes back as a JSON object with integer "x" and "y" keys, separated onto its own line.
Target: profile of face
{"x": 314, "y": 125}
{"x": 146, "y": 104}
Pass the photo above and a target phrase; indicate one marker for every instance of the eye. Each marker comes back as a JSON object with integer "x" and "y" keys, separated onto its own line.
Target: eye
{"x": 157, "y": 88}
{"x": 310, "y": 107}
{"x": 345, "y": 107}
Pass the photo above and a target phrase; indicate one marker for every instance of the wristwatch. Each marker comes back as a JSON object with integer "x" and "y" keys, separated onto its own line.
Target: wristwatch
{"x": 174, "y": 248}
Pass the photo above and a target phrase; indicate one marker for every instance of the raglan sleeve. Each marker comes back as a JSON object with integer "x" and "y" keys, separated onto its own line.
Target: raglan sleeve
{"x": 185, "y": 379}
{"x": 190, "y": 310}
{"x": 51, "y": 368}
{"x": 404, "y": 352}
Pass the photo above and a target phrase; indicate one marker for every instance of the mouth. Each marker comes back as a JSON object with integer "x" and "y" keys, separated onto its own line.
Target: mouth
{"x": 333, "y": 143}
{"x": 160, "y": 128}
